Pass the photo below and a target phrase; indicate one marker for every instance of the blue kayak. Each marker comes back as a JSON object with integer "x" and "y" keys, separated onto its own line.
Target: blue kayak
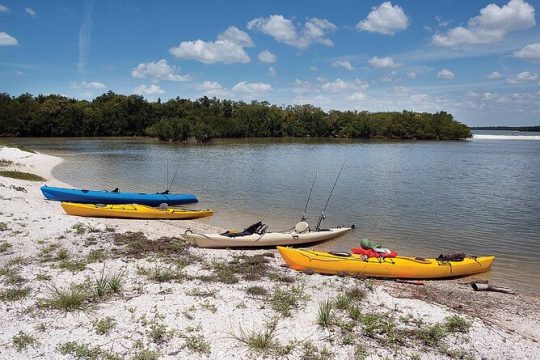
{"x": 112, "y": 197}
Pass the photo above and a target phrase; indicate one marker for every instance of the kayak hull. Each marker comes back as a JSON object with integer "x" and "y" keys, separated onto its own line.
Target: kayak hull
{"x": 133, "y": 211}
{"x": 105, "y": 197}
{"x": 269, "y": 239}
{"x": 400, "y": 267}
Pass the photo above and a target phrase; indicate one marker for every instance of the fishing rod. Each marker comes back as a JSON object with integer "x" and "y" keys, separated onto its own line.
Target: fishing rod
{"x": 172, "y": 181}
{"x": 304, "y": 217}
{"x": 323, "y": 213}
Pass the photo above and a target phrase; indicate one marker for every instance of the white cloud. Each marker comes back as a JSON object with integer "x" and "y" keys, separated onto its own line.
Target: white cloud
{"x": 4, "y": 9}
{"x": 158, "y": 70}
{"x": 283, "y": 30}
{"x": 153, "y": 89}
{"x": 236, "y": 36}
{"x": 87, "y": 85}
{"x": 529, "y": 52}
{"x": 522, "y": 77}
{"x": 411, "y": 75}
{"x": 445, "y": 74}
{"x": 385, "y": 19}
{"x": 490, "y": 26}
{"x": 382, "y": 63}
{"x": 343, "y": 64}
{"x": 494, "y": 75}
{"x": 7, "y": 40}
{"x": 30, "y": 12}
{"x": 357, "y": 96}
{"x": 228, "y": 48}
{"x": 212, "y": 88}
{"x": 313, "y": 68}
{"x": 246, "y": 87}
{"x": 266, "y": 56}
{"x": 342, "y": 85}
{"x": 272, "y": 71}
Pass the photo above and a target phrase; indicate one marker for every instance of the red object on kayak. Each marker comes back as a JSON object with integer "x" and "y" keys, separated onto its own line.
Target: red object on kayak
{"x": 372, "y": 253}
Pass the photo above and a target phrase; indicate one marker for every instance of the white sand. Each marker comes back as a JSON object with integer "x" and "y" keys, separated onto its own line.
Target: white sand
{"x": 503, "y": 326}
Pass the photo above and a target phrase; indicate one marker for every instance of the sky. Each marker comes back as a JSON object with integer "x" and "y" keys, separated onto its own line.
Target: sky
{"x": 479, "y": 60}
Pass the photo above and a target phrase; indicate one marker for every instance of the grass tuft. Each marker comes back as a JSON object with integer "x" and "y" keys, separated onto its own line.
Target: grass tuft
{"x": 14, "y": 294}
{"x": 20, "y": 175}
{"x": 104, "y": 326}
{"x": 22, "y": 340}
{"x": 285, "y": 299}
{"x": 197, "y": 344}
{"x": 325, "y": 315}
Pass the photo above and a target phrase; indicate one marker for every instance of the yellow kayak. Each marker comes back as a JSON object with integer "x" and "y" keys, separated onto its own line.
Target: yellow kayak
{"x": 400, "y": 267}
{"x": 133, "y": 211}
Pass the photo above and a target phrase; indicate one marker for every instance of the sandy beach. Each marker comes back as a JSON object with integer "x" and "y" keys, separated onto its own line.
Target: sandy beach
{"x": 88, "y": 288}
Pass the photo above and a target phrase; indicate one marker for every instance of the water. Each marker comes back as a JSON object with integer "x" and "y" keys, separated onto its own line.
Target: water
{"x": 420, "y": 198}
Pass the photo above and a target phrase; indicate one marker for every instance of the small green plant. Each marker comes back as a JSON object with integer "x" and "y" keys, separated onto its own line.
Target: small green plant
{"x": 197, "y": 344}
{"x": 74, "y": 297}
{"x": 256, "y": 291}
{"x": 73, "y": 266}
{"x": 96, "y": 256}
{"x": 312, "y": 352}
{"x": 455, "y": 323}
{"x": 79, "y": 228}
{"x": 325, "y": 315}
{"x": 201, "y": 293}
{"x": 263, "y": 341}
{"x": 158, "y": 333}
{"x": 5, "y": 246}
{"x": 14, "y": 294}
{"x": 20, "y": 175}
{"x": 285, "y": 299}
{"x": 3, "y": 226}
{"x": 41, "y": 327}
{"x": 22, "y": 340}
{"x": 432, "y": 335}
{"x": 85, "y": 351}
{"x": 104, "y": 326}
{"x": 43, "y": 277}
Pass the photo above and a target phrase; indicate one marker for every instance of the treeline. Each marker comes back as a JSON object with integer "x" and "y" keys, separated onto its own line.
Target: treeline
{"x": 179, "y": 119}
{"x": 508, "y": 128}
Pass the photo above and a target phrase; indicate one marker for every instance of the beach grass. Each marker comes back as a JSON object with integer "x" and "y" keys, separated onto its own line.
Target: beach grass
{"x": 21, "y": 175}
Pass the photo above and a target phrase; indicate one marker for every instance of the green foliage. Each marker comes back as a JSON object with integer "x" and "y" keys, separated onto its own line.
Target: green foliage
{"x": 104, "y": 326}
{"x": 85, "y": 351}
{"x": 285, "y": 299}
{"x": 14, "y": 294}
{"x": 22, "y": 340}
{"x": 20, "y": 175}
{"x": 203, "y": 119}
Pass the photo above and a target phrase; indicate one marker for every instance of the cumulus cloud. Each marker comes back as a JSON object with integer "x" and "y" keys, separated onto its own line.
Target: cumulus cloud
{"x": 445, "y": 74}
{"x": 212, "y": 88}
{"x": 343, "y": 64}
{"x": 246, "y": 87}
{"x": 266, "y": 56}
{"x": 530, "y": 52}
{"x": 385, "y": 19}
{"x": 158, "y": 70}
{"x": 236, "y": 36}
{"x": 4, "y": 9}
{"x": 522, "y": 77}
{"x": 7, "y": 40}
{"x": 382, "y": 63}
{"x": 357, "y": 96}
{"x": 342, "y": 85}
{"x": 494, "y": 75}
{"x": 30, "y": 12}
{"x": 272, "y": 71}
{"x": 153, "y": 89}
{"x": 87, "y": 85}
{"x": 228, "y": 48}
{"x": 283, "y": 30}
{"x": 492, "y": 25}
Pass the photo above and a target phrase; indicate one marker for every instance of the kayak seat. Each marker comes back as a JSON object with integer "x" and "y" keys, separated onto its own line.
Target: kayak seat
{"x": 257, "y": 228}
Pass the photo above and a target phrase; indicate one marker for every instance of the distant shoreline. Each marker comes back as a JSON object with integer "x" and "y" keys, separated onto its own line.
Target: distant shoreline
{"x": 507, "y": 128}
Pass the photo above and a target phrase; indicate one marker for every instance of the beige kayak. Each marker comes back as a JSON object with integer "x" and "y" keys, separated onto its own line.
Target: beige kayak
{"x": 264, "y": 239}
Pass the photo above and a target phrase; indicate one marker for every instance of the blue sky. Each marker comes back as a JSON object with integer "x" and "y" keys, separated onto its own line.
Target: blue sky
{"x": 479, "y": 60}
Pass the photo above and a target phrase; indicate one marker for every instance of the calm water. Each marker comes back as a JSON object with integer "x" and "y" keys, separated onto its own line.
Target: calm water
{"x": 420, "y": 198}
